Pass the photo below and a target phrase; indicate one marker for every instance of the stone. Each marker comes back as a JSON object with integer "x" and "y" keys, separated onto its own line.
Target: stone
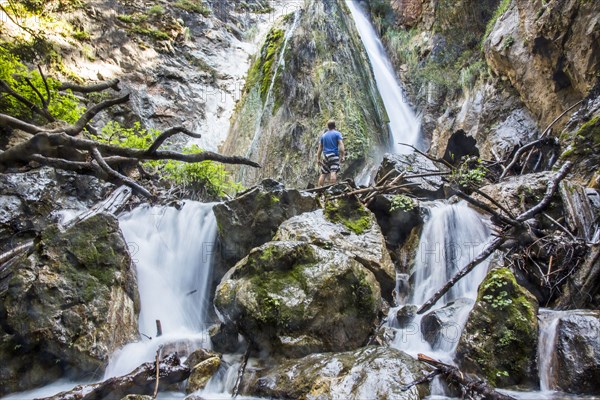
{"x": 294, "y": 298}
{"x": 367, "y": 373}
{"x": 442, "y": 327}
{"x": 201, "y": 374}
{"x": 224, "y": 338}
{"x": 550, "y": 75}
{"x": 368, "y": 246}
{"x": 252, "y": 218}
{"x": 137, "y": 397}
{"x": 405, "y": 315}
{"x": 199, "y": 356}
{"x": 66, "y": 307}
{"x": 578, "y": 352}
{"x": 430, "y": 188}
{"x": 499, "y": 341}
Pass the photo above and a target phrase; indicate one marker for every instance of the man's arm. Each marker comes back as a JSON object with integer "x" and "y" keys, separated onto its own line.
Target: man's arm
{"x": 342, "y": 150}
{"x": 319, "y": 152}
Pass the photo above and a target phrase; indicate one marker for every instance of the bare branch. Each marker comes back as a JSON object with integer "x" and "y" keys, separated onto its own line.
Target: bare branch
{"x": 5, "y": 87}
{"x": 37, "y": 92}
{"x": 520, "y": 152}
{"x": 552, "y": 187}
{"x": 97, "y": 87}
{"x": 117, "y": 177}
{"x": 45, "y": 85}
{"x": 437, "y": 160}
{"x": 167, "y": 134}
{"x": 18, "y": 124}
{"x": 91, "y": 113}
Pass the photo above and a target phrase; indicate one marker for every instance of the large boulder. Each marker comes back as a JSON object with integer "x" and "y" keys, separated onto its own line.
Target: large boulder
{"x": 252, "y": 218}
{"x": 367, "y": 373}
{"x": 66, "y": 307}
{"x": 366, "y": 246}
{"x": 578, "y": 352}
{"x": 295, "y": 298}
{"x": 428, "y": 187}
{"x": 500, "y": 338}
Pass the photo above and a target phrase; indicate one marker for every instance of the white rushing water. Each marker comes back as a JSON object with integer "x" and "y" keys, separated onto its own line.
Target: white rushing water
{"x": 172, "y": 250}
{"x": 548, "y": 323}
{"x": 452, "y": 236}
{"x": 404, "y": 125}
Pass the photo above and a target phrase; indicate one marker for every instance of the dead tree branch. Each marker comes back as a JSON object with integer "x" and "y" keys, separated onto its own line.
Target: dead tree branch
{"x": 96, "y": 87}
{"x": 468, "y": 384}
{"x": 497, "y": 242}
{"x": 91, "y": 113}
{"x": 140, "y": 381}
{"x": 5, "y": 87}
{"x": 167, "y": 134}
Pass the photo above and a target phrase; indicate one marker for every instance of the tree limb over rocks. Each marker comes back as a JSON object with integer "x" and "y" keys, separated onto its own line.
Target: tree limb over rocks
{"x": 65, "y": 148}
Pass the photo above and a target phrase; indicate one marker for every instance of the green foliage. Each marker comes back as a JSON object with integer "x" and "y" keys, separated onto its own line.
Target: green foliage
{"x": 502, "y": 8}
{"x": 195, "y": 6}
{"x": 263, "y": 68}
{"x": 81, "y": 35}
{"x": 206, "y": 175}
{"x": 63, "y": 107}
{"x": 155, "y": 34}
{"x": 349, "y": 212}
{"x": 156, "y": 10}
{"x": 136, "y": 18}
{"x": 469, "y": 174}
{"x": 402, "y": 202}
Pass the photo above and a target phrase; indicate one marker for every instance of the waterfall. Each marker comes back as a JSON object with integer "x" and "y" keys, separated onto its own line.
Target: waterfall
{"x": 548, "y": 323}
{"x": 404, "y": 125}
{"x": 452, "y": 236}
{"x": 172, "y": 250}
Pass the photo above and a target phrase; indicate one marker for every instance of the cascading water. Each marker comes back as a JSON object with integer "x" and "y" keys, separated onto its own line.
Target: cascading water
{"x": 404, "y": 125}
{"x": 172, "y": 250}
{"x": 452, "y": 236}
{"x": 548, "y": 323}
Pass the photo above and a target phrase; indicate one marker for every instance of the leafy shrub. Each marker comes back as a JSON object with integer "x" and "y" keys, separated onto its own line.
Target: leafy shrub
{"x": 402, "y": 202}
{"x": 469, "y": 174}
{"x": 206, "y": 175}
{"x": 63, "y": 106}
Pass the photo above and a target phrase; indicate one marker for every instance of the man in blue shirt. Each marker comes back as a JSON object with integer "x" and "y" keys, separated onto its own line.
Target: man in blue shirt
{"x": 331, "y": 146}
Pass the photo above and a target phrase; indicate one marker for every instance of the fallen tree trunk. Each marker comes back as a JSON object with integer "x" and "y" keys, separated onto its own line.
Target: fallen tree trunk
{"x": 468, "y": 384}
{"x": 141, "y": 381}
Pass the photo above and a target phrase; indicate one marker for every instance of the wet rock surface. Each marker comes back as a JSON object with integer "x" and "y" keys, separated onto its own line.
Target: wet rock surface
{"x": 442, "y": 327}
{"x": 66, "y": 307}
{"x": 32, "y": 200}
{"x": 578, "y": 352}
{"x": 367, "y": 247}
{"x": 500, "y": 338}
{"x": 294, "y": 298}
{"x": 368, "y": 373}
{"x": 430, "y": 187}
{"x": 252, "y": 218}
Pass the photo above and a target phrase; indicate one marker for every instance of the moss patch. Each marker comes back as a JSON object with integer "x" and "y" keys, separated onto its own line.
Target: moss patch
{"x": 262, "y": 70}
{"x": 500, "y": 339}
{"x": 349, "y": 212}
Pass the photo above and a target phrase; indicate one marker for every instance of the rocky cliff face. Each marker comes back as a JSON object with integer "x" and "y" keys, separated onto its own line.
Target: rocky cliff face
{"x": 311, "y": 68}
{"x": 66, "y": 307}
{"x": 521, "y": 64}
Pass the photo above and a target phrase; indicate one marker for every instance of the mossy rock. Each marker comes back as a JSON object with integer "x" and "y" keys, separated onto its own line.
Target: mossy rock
{"x": 499, "y": 341}
{"x": 349, "y": 212}
{"x": 294, "y": 298}
{"x": 68, "y": 305}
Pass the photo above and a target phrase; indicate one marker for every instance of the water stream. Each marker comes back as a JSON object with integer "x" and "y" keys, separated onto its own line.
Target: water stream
{"x": 404, "y": 125}
{"x": 452, "y": 236}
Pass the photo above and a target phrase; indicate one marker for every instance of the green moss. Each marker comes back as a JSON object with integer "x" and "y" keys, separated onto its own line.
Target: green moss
{"x": 262, "y": 70}
{"x": 506, "y": 316}
{"x": 502, "y": 8}
{"x": 194, "y": 6}
{"x": 349, "y": 212}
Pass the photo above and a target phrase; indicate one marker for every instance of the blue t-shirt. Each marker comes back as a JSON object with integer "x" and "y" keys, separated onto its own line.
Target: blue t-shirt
{"x": 329, "y": 140}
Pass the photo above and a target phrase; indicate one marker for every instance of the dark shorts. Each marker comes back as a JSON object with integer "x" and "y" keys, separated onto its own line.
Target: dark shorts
{"x": 330, "y": 163}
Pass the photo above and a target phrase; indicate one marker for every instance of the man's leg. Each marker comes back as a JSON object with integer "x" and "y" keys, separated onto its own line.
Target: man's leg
{"x": 322, "y": 179}
{"x": 333, "y": 177}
